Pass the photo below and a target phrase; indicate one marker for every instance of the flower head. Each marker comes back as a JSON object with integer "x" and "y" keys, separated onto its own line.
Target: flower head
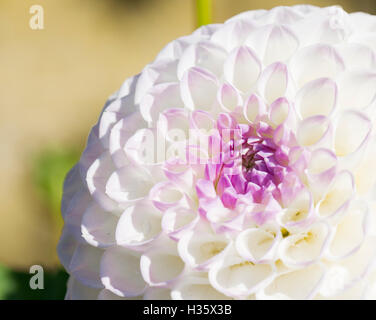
{"x": 237, "y": 165}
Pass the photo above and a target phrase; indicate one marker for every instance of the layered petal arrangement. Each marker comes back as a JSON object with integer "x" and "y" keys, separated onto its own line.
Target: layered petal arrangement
{"x": 237, "y": 165}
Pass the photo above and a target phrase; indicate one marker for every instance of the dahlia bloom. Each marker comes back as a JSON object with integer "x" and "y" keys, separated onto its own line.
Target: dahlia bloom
{"x": 237, "y": 165}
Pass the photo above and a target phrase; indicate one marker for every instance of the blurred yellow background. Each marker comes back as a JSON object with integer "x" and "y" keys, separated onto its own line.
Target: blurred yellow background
{"x": 55, "y": 81}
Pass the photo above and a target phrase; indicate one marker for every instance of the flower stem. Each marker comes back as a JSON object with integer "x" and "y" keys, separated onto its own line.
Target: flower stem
{"x": 204, "y": 12}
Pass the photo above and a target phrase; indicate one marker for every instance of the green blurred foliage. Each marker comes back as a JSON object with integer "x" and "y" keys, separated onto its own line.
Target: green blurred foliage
{"x": 14, "y": 285}
{"x": 49, "y": 170}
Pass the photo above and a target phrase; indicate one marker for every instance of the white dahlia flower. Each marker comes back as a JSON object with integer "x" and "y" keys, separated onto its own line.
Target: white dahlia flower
{"x": 237, "y": 165}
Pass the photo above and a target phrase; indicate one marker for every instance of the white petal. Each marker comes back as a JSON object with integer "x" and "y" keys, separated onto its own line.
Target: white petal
{"x": 314, "y": 62}
{"x": 236, "y": 277}
{"x": 161, "y": 97}
{"x": 249, "y": 15}
{"x": 116, "y": 109}
{"x": 258, "y": 244}
{"x": 370, "y": 291}
{"x": 316, "y": 131}
{"x": 144, "y": 147}
{"x": 109, "y": 295}
{"x": 318, "y": 97}
{"x": 274, "y": 82}
{"x": 201, "y": 120}
{"x": 98, "y": 226}
{"x": 75, "y": 209}
{"x": 155, "y": 293}
{"x": 138, "y": 225}
{"x": 94, "y": 149}
{"x": 306, "y": 247}
{"x": 228, "y": 97}
{"x": 174, "y": 124}
{"x": 126, "y": 90}
{"x": 364, "y": 21}
{"x": 321, "y": 170}
{"x": 334, "y": 282}
{"x": 162, "y": 265}
{"x": 368, "y": 37}
{"x": 298, "y": 211}
{"x": 207, "y": 30}
{"x": 198, "y": 89}
{"x": 350, "y": 232}
{"x": 120, "y": 272}
{"x": 120, "y": 134}
{"x": 66, "y": 247}
{"x": 96, "y": 179}
{"x": 106, "y": 123}
{"x": 352, "y": 131}
{"x": 283, "y": 14}
{"x": 196, "y": 288}
{"x": 281, "y": 45}
{"x": 353, "y": 292}
{"x": 78, "y": 291}
{"x": 321, "y": 161}
{"x": 232, "y": 34}
{"x": 84, "y": 265}
{"x": 158, "y": 72}
{"x": 357, "y": 89}
{"x": 175, "y": 48}
{"x": 357, "y": 56}
{"x": 120, "y": 189}
{"x": 166, "y": 195}
{"x": 242, "y": 69}
{"x": 204, "y": 55}
{"x": 180, "y": 174}
{"x": 177, "y": 221}
{"x": 359, "y": 263}
{"x": 219, "y": 215}
{"x": 365, "y": 176}
{"x": 328, "y": 25}
{"x": 201, "y": 248}
{"x": 253, "y": 107}
{"x": 282, "y": 112}
{"x": 338, "y": 195}
{"x": 297, "y": 284}
{"x": 73, "y": 183}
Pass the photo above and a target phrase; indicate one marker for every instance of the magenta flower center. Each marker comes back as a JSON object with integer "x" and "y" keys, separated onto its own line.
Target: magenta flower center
{"x": 253, "y": 169}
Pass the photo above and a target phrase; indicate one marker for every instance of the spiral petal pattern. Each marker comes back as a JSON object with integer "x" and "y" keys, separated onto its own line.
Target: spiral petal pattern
{"x": 237, "y": 165}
